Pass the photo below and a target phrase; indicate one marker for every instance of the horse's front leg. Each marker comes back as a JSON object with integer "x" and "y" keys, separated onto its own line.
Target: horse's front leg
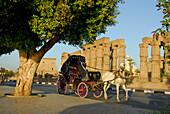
{"x": 104, "y": 88}
{"x": 117, "y": 87}
{"x": 124, "y": 87}
{"x": 108, "y": 86}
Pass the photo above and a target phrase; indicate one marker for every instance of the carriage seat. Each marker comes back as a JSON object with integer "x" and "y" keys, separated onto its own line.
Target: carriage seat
{"x": 94, "y": 76}
{"x": 73, "y": 71}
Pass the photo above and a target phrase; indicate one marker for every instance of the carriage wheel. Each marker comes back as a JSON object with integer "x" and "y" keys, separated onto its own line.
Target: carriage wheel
{"x": 61, "y": 85}
{"x": 97, "y": 94}
{"x": 82, "y": 90}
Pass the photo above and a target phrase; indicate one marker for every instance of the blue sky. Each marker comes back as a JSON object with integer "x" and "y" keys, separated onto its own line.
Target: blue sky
{"x": 138, "y": 19}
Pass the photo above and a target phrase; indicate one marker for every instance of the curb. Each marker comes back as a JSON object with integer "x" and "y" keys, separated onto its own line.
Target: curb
{"x": 129, "y": 89}
{"x": 10, "y": 80}
{"x": 46, "y": 83}
{"x": 147, "y": 91}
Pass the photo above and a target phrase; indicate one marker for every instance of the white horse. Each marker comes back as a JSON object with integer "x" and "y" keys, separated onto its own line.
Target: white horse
{"x": 118, "y": 80}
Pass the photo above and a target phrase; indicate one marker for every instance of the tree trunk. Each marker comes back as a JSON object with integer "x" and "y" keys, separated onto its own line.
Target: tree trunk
{"x": 27, "y": 70}
{"x": 28, "y": 65}
{"x": 131, "y": 70}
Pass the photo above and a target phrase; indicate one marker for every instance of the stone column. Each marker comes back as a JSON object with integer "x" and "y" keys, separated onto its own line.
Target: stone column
{"x": 99, "y": 61}
{"x": 155, "y": 53}
{"x": 93, "y": 59}
{"x": 43, "y": 74}
{"x": 87, "y": 58}
{"x": 167, "y": 43}
{"x": 106, "y": 57}
{"x": 143, "y": 62}
{"x": 121, "y": 54}
{"x": 114, "y": 58}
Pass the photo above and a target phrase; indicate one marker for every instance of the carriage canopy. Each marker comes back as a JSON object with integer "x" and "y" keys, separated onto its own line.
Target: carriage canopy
{"x": 73, "y": 65}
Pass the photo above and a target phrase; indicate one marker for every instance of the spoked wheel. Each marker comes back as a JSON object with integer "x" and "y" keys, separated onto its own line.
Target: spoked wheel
{"x": 61, "y": 85}
{"x": 97, "y": 93}
{"x": 82, "y": 90}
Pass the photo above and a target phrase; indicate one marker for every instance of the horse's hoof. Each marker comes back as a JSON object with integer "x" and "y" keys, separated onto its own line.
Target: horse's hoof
{"x": 105, "y": 98}
{"x": 126, "y": 99}
{"x": 118, "y": 100}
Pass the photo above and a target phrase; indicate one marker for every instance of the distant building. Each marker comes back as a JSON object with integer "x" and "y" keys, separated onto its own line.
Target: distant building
{"x": 127, "y": 66}
{"x": 47, "y": 67}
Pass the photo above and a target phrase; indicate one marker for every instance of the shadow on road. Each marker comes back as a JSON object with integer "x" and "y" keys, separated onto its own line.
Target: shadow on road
{"x": 102, "y": 108}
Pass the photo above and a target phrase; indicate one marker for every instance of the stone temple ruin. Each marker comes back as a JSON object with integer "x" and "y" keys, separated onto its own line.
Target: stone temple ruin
{"x": 156, "y": 64}
{"x": 102, "y": 55}
{"x": 150, "y": 71}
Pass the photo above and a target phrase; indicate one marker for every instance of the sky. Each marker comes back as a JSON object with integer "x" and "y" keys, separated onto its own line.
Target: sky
{"x": 137, "y": 20}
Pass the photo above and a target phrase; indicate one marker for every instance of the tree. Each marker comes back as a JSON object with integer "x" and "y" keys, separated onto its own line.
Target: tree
{"x": 131, "y": 63}
{"x": 9, "y": 73}
{"x": 127, "y": 73}
{"x": 137, "y": 71}
{"x": 6, "y": 72}
{"x": 164, "y": 5}
{"x": 34, "y": 26}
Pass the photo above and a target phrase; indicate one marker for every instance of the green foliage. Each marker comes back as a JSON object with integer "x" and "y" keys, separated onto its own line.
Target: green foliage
{"x": 9, "y": 73}
{"x": 6, "y": 72}
{"x": 2, "y": 69}
{"x": 28, "y": 24}
{"x": 137, "y": 71}
{"x": 163, "y": 5}
{"x": 127, "y": 73}
{"x": 5, "y": 50}
{"x": 168, "y": 53}
{"x": 165, "y": 74}
{"x": 14, "y": 28}
{"x": 131, "y": 61}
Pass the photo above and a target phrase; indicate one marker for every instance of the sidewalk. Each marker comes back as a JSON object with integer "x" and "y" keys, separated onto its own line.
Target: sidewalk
{"x": 61, "y": 104}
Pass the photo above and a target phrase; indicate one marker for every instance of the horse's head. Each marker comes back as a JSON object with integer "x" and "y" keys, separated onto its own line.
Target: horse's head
{"x": 122, "y": 66}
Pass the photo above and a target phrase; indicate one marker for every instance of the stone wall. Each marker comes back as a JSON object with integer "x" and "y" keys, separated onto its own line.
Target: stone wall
{"x": 47, "y": 67}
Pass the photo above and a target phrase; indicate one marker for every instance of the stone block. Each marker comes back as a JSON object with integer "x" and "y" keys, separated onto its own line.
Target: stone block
{"x": 166, "y": 80}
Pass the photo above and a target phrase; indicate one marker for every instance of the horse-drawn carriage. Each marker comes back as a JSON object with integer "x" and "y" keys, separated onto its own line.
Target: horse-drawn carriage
{"x": 75, "y": 77}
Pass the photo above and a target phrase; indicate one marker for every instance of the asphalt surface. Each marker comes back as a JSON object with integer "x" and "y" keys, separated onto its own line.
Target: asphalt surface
{"x": 54, "y": 103}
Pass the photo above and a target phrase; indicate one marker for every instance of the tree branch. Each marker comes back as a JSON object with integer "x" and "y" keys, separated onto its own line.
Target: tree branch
{"x": 46, "y": 47}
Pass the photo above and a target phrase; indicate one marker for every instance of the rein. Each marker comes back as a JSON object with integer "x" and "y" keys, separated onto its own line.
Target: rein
{"x": 117, "y": 75}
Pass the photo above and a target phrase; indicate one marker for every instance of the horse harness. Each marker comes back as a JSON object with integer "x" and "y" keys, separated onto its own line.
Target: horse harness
{"x": 117, "y": 75}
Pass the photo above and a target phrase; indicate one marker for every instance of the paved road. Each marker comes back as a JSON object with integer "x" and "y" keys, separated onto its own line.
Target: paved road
{"x": 156, "y": 102}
